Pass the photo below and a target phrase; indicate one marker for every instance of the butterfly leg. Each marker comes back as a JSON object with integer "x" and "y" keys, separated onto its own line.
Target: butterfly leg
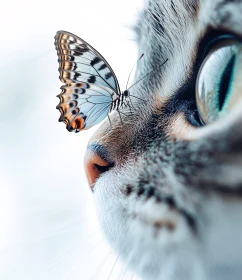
{"x": 138, "y": 98}
{"x": 120, "y": 116}
{"x": 126, "y": 104}
{"x": 123, "y": 114}
{"x": 110, "y": 122}
{"x": 131, "y": 103}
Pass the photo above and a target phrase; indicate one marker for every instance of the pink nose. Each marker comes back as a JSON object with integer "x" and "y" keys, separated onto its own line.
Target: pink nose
{"x": 95, "y": 164}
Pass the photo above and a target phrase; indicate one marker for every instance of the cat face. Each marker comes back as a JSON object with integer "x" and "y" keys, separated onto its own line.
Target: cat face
{"x": 167, "y": 173}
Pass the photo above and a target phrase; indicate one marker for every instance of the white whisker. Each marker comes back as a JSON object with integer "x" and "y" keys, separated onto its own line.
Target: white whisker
{"x": 112, "y": 268}
{"x": 100, "y": 266}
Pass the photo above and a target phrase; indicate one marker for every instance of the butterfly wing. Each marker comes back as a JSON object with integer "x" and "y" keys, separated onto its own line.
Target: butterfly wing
{"x": 90, "y": 83}
{"x": 82, "y": 105}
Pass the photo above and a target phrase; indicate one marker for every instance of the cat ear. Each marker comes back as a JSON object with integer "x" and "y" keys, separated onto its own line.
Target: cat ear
{"x": 90, "y": 83}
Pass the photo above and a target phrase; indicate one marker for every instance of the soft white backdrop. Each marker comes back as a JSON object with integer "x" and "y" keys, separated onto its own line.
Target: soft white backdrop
{"x": 48, "y": 228}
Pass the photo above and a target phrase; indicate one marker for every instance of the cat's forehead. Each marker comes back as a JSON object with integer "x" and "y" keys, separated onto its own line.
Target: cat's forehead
{"x": 174, "y": 30}
{"x": 225, "y": 14}
{"x": 172, "y": 17}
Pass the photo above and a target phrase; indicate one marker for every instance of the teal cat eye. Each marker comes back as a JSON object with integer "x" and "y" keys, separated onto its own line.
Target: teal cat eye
{"x": 216, "y": 79}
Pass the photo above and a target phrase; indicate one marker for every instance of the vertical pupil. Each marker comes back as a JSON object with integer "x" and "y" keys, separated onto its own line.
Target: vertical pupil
{"x": 225, "y": 82}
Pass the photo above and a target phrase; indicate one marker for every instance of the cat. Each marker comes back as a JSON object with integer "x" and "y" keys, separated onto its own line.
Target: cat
{"x": 167, "y": 176}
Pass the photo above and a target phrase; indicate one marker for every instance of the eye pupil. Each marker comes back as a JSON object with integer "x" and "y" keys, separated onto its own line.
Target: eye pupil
{"x": 225, "y": 82}
{"x": 218, "y": 81}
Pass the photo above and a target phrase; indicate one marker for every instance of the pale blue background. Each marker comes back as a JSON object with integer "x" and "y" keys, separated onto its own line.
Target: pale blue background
{"x": 48, "y": 228}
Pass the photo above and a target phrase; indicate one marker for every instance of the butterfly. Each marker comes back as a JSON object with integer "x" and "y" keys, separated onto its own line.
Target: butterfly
{"x": 91, "y": 90}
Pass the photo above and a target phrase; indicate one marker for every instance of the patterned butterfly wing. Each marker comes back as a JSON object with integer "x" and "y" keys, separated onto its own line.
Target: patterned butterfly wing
{"x": 82, "y": 105}
{"x": 90, "y": 83}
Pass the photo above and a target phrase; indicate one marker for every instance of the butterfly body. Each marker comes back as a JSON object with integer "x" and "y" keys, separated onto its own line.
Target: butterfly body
{"x": 91, "y": 89}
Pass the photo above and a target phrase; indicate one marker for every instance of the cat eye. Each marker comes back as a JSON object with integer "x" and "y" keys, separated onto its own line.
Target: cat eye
{"x": 217, "y": 82}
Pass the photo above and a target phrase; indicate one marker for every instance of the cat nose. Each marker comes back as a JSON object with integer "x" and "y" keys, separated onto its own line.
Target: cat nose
{"x": 96, "y": 163}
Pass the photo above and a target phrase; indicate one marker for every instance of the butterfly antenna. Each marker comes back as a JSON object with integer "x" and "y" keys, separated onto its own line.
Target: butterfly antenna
{"x": 147, "y": 74}
{"x": 133, "y": 69}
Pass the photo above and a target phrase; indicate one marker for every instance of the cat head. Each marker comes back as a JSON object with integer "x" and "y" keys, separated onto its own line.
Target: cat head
{"x": 166, "y": 174}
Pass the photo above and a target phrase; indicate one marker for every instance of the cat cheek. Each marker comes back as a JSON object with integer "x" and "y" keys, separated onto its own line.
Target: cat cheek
{"x": 179, "y": 128}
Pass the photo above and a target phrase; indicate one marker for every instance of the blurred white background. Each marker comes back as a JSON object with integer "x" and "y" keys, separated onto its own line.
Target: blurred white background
{"x": 48, "y": 227}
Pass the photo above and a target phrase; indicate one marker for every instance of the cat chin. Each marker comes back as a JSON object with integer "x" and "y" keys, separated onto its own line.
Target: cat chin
{"x": 151, "y": 238}
{"x": 170, "y": 249}
{"x": 151, "y": 254}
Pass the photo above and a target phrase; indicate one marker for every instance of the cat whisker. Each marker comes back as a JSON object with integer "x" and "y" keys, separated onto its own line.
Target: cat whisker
{"x": 94, "y": 233}
{"x": 61, "y": 255}
{"x": 112, "y": 268}
{"x": 125, "y": 271}
{"x": 100, "y": 266}
{"x": 96, "y": 246}
{"x": 65, "y": 229}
